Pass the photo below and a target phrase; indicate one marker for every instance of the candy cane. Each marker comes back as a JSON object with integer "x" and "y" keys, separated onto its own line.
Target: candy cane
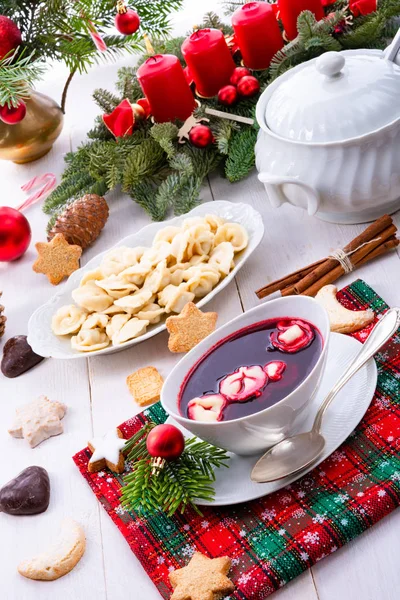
{"x": 47, "y": 181}
{"x": 96, "y": 37}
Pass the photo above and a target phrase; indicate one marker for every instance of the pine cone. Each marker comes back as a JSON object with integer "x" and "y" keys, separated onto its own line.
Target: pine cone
{"x": 82, "y": 221}
{"x": 3, "y": 318}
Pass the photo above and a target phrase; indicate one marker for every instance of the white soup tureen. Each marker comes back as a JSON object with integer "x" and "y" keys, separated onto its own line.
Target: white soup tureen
{"x": 329, "y": 137}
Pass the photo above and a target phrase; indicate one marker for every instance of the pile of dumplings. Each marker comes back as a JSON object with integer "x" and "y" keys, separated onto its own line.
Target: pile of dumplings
{"x": 136, "y": 287}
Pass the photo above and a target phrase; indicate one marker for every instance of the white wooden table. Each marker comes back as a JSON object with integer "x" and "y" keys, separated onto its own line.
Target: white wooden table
{"x": 97, "y": 397}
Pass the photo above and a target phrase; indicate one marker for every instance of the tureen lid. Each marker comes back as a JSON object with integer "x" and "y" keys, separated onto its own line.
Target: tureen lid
{"x": 336, "y": 97}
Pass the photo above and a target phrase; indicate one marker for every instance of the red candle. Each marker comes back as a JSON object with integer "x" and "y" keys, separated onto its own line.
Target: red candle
{"x": 209, "y": 60}
{"x": 290, "y": 9}
{"x": 257, "y": 33}
{"x": 164, "y": 84}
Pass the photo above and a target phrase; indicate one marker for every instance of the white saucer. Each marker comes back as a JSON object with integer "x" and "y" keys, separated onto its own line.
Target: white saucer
{"x": 234, "y": 485}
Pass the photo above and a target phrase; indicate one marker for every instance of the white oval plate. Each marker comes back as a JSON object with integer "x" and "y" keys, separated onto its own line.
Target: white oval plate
{"x": 40, "y": 335}
{"x": 234, "y": 485}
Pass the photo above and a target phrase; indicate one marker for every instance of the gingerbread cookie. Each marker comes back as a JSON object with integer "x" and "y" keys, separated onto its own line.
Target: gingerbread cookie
{"x": 145, "y": 385}
{"x": 60, "y": 558}
{"x": 38, "y": 421}
{"x": 189, "y": 328}
{"x": 57, "y": 259}
{"x": 202, "y": 579}
{"x": 107, "y": 452}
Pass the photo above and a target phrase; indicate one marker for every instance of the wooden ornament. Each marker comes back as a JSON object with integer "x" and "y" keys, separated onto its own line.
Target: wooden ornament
{"x": 82, "y": 221}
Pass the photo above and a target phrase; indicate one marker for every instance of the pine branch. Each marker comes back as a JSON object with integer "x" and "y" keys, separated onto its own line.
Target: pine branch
{"x": 106, "y": 100}
{"x": 165, "y": 134}
{"x": 17, "y": 77}
{"x": 142, "y": 162}
{"x": 241, "y": 159}
{"x": 178, "y": 484}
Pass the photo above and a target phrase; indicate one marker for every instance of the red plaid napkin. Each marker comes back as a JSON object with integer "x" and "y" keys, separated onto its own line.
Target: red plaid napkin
{"x": 274, "y": 539}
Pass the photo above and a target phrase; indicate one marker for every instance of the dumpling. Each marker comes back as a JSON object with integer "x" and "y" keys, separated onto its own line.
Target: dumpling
{"x": 221, "y": 257}
{"x": 92, "y": 276}
{"x": 137, "y": 273}
{"x": 160, "y": 251}
{"x": 191, "y": 221}
{"x": 136, "y": 301}
{"x": 115, "y": 324}
{"x": 113, "y": 310}
{"x": 151, "y": 313}
{"x": 118, "y": 259}
{"x": 203, "y": 281}
{"x": 213, "y": 221}
{"x": 166, "y": 234}
{"x": 176, "y": 277}
{"x": 174, "y": 298}
{"x": 92, "y": 297}
{"x": 200, "y": 240}
{"x": 197, "y": 259}
{"x": 89, "y": 340}
{"x": 132, "y": 329}
{"x": 158, "y": 279}
{"x": 116, "y": 287}
{"x": 68, "y": 319}
{"x": 95, "y": 320}
{"x": 233, "y": 233}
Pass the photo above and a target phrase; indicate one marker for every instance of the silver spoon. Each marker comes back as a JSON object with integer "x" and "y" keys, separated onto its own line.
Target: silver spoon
{"x": 295, "y": 453}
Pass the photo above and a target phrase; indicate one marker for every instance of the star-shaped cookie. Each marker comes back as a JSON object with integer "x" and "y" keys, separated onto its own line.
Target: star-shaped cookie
{"x": 38, "y": 421}
{"x": 106, "y": 452}
{"x": 189, "y": 328}
{"x": 203, "y": 579}
{"x": 57, "y": 259}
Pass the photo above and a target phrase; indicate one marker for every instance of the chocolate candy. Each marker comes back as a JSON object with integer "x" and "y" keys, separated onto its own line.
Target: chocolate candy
{"x": 26, "y": 494}
{"x": 18, "y": 357}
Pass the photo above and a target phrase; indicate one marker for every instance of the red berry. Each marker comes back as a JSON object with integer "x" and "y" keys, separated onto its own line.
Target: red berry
{"x": 201, "y": 136}
{"x": 165, "y": 441}
{"x": 227, "y": 95}
{"x": 127, "y": 22}
{"x": 10, "y": 36}
{"x": 13, "y": 115}
{"x": 238, "y": 73}
{"x": 15, "y": 234}
{"x": 248, "y": 86}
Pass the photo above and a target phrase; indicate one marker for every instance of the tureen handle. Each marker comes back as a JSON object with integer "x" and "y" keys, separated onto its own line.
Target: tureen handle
{"x": 390, "y": 53}
{"x": 277, "y": 196}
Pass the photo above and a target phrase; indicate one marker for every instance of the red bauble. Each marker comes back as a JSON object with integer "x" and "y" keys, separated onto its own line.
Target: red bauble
{"x": 15, "y": 234}
{"x": 248, "y": 86}
{"x": 238, "y": 73}
{"x": 227, "y": 95}
{"x": 10, "y": 36}
{"x": 13, "y": 115}
{"x": 127, "y": 21}
{"x": 201, "y": 136}
{"x": 165, "y": 441}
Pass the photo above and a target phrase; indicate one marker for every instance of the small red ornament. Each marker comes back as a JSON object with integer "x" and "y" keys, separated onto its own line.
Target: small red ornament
{"x": 227, "y": 95}
{"x": 10, "y": 36}
{"x": 238, "y": 73}
{"x": 13, "y": 115}
{"x": 201, "y": 136}
{"x": 127, "y": 21}
{"x": 15, "y": 234}
{"x": 165, "y": 442}
{"x": 248, "y": 86}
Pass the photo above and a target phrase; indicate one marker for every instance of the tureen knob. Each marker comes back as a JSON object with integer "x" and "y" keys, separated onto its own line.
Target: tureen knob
{"x": 330, "y": 63}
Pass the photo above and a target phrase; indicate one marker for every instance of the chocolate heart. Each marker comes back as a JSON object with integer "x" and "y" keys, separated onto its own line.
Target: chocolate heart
{"x": 26, "y": 494}
{"x": 18, "y": 357}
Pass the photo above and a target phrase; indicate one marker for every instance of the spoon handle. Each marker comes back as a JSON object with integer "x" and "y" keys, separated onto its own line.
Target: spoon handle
{"x": 380, "y": 334}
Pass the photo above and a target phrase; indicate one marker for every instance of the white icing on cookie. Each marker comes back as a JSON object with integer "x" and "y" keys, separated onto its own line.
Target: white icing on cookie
{"x": 38, "y": 420}
{"x": 107, "y": 447}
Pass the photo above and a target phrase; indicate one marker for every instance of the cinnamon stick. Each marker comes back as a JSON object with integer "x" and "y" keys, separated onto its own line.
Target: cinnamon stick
{"x": 288, "y": 280}
{"x": 388, "y": 244}
{"x": 321, "y": 271}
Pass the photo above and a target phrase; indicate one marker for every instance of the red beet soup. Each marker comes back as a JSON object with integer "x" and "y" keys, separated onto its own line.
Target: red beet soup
{"x": 250, "y": 370}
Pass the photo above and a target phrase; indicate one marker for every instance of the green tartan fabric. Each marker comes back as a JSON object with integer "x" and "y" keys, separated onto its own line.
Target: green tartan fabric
{"x": 275, "y": 538}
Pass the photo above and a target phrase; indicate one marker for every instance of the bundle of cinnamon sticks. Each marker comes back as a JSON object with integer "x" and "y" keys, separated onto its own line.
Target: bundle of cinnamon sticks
{"x": 377, "y": 239}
